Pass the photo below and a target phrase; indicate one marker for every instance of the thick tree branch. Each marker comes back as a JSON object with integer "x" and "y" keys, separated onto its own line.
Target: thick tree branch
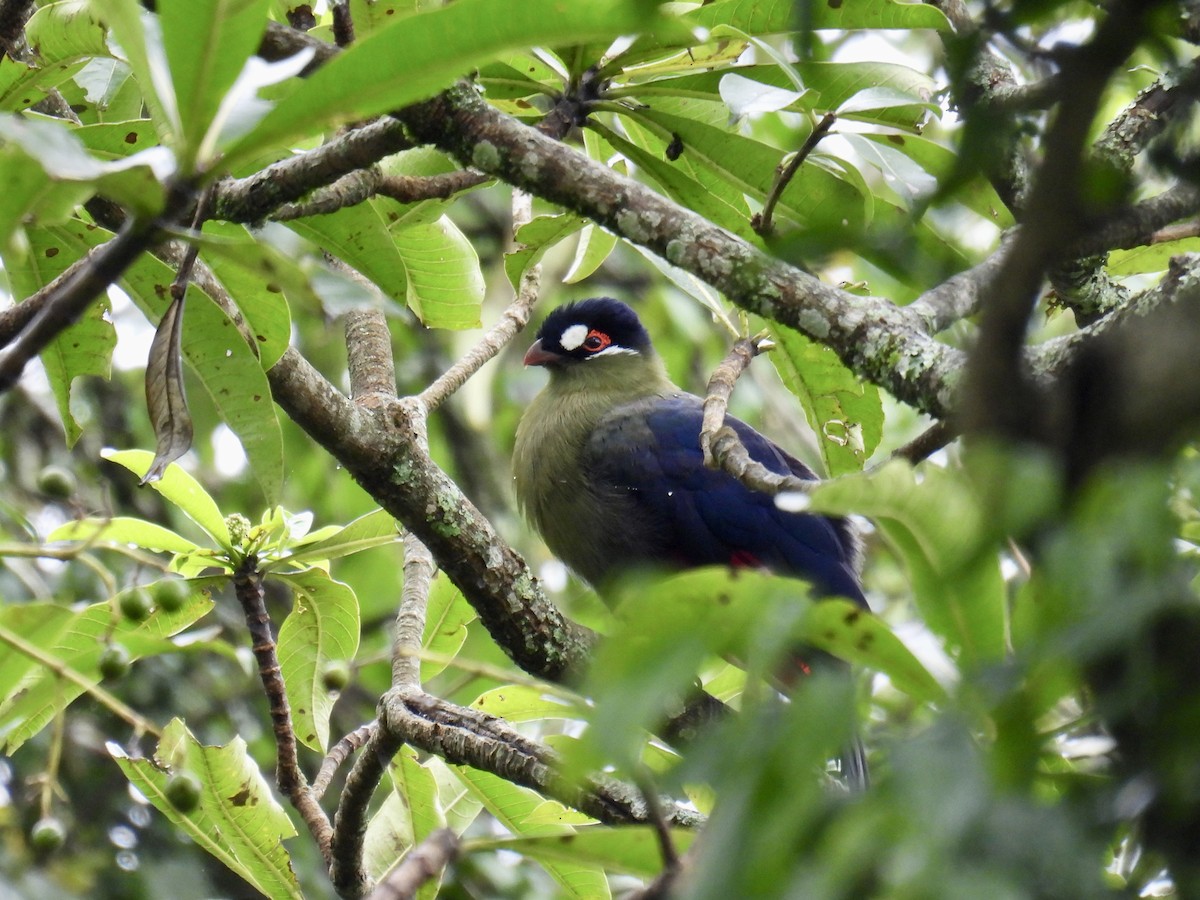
{"x": 382, "y": 450}
{"x": 875, "y": 338}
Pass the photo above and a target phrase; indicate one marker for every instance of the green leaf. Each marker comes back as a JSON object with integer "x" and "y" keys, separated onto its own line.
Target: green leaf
{"x": 260, "y": 279}
{"x": 124, "y": 530}
{"x": 851, "y": 633}
{"x": 682, "y": 188}
{"x": 630, "y": 849}
{"x": 238, "y": 820}
{"x": 445, "y": 284}
{"x": 455, "y": 797}
{"x": 938, "y": 527}
{"x": 779, "y": 16}
{"x": 670, "y": 626}
{"x": 75, "y": 640}
{"x": 418, "y": 56}
{"x": 511, "y": 805}
{"x": 86, "y": 346}
{"x": 595, "y": 246}
{"x": 182, "y": 490}
{"x": 68, "y": 30}
{"x": 845, "y": 412}
{"x": 358, "y": 235}
{"x": 534, "y": 239}
{"x": 524, "y": 703}
{"x": 1151, "y": 258}
{"x": 206, "y": 42}
{"x": 148, "y": 62}
{"x": 322, "y": 628}
{"x": 409, "y": 814}
{"x": 375, "y": 529}
{"x": 447, "y": 616}
{"x": 227, "y": 367}
{"x": 941, "y": 162}
{"x": 814, "y": 195}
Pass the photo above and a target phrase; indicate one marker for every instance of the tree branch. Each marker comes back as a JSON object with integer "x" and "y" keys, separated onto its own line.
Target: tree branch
{"x": 1000, "y": 397}
{"x": 252, "y": 199}
{"x": 421, "y": 864}
{"x": 868, "y": 333}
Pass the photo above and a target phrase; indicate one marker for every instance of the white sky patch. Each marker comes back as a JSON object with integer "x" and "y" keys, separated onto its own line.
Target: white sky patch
{"x": 134, "y": 333}
{"x": 573, "y": 337}
{"x": 554, "y": 576}
{"x": 228, "y": 455}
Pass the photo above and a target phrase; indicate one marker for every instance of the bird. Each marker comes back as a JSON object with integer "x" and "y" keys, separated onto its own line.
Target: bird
{"x": 608, "y": 468}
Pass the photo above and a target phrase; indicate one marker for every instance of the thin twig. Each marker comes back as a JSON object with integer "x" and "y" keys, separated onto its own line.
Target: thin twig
{"x": 723, "y": 449}
{"x": 924, "y": 445}
{"x": 720, "y": 389}
{"x": 410, "y": 620}
{"x": 338, "y": 754}
{"x": 127, "y": 714}
{"x": 762, "y": 223}
{"x": 662, "y": 831}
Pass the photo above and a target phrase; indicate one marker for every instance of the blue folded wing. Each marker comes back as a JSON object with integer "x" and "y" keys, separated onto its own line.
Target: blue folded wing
{"x": 648, "y": 454}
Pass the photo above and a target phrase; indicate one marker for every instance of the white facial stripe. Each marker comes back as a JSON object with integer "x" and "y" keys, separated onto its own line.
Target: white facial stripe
{"x": 573, "y": 337}
{"x": 614, "y": 350}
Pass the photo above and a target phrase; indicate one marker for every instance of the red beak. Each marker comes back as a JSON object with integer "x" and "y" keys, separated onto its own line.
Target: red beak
{"x": 536, "y": 356}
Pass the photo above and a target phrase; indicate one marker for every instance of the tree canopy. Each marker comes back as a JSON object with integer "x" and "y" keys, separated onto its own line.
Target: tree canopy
{"x": 270, "y": 623}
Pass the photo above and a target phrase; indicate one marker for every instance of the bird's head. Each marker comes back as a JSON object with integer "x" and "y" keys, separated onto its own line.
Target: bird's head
{"x": 584, "y": 338}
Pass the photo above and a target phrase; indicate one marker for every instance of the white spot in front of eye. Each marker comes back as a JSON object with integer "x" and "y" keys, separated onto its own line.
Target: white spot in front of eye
{"x": 573, "y": 337}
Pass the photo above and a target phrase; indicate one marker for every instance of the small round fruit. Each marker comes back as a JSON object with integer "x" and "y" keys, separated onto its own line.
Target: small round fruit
{"x": 136, "y": 604}
{"x": 47, "y": 834}
{"x": 170, "y": 594}
{"x": 114, "y": 661}
{"x": 335, "y": 676}
{"x": 57, "y": 482}
{"x": 183, "y": 791}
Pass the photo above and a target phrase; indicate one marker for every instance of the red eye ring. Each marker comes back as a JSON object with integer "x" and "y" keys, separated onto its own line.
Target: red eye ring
{"x": 596, "y": 341}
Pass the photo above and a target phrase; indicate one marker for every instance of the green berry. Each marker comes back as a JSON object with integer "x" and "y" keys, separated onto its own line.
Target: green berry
{"x": 135, "y": 605}
{"x": 47, "y": 834}
{"x": 170, "y": 594}
{"x": 57, "y": 482}
{"x": 114, "y": 661}
{"x": 335, "y": 676}
{"x": 183, "y": 791}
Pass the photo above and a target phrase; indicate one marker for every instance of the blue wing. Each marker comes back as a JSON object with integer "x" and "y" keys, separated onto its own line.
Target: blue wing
{"x": 648, "y": 454}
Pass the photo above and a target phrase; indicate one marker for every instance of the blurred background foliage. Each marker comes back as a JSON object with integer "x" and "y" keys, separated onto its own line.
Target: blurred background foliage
{"x": 1048, "y": 623}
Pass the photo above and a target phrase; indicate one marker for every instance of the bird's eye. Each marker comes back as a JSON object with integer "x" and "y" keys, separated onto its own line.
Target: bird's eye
{"x": 596, "y": 341}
